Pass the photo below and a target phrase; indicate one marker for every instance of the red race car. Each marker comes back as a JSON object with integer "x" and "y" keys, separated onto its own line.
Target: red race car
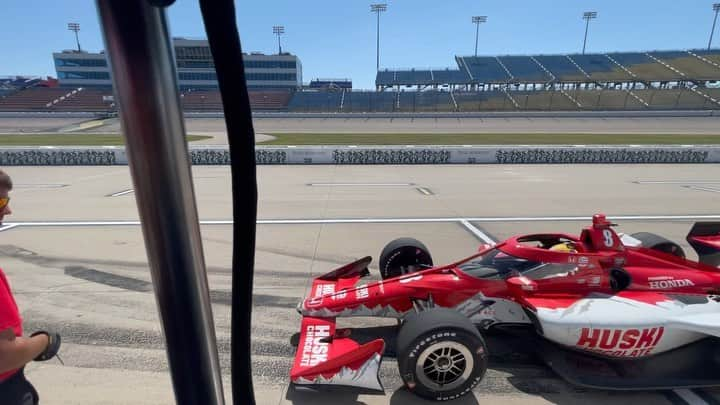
{"x": 604, "y": 310}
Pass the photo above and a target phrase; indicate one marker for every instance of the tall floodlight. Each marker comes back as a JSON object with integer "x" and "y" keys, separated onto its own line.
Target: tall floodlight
{"x": 377, "y": 9}
{"x": 75, "y": 27}
{"x": 587, "y": 16}
{"x": 477, "y": 20}
{"x": 716, "y": 9}
{"x": 279, "y": 30}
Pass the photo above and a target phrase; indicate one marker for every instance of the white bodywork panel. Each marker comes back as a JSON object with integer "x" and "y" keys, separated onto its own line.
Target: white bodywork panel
{"x": 623, "y": 327}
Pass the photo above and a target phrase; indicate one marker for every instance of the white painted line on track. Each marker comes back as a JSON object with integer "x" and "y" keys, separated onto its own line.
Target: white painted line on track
{"x": 710, "y": 189}
{"x": 119, "y": 193}
{"x": 676, "y": 182}
{"x": 311, "y": 221}
{"x": 478, "y": 233}
{"x": 360, "y": 184}
{"x": 425, "y": 191}
{"x": 690, "y": 397}
{"x": 7, "y": 227}
{"x": 54, "y": 185}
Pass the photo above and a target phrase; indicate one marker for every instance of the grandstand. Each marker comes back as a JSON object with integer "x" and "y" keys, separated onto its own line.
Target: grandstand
{"x": 648, "y": 69}
{"x": 654, "y": 80}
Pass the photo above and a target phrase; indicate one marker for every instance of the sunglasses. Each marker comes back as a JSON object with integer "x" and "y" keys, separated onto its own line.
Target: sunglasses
{"x": 4, "y": 202}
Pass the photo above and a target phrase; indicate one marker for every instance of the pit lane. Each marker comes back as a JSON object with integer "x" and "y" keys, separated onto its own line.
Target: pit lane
{"x": 90, "y": 281}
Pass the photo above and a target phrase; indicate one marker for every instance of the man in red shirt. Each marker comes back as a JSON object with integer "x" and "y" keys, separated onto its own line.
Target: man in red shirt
{"x": 15, "y": 349}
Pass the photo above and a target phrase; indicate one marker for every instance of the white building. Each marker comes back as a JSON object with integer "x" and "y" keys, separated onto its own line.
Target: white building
{"x": 195, "y": 67}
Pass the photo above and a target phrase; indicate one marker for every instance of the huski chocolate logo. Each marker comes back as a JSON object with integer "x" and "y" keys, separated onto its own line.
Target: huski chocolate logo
{"x": 620, "y": 342}
{"x": 315, "y": 351}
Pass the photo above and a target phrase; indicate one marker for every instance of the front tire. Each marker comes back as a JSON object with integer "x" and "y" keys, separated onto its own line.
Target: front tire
{"x": 441, "y": 355}
{"x": 402, "y": 256}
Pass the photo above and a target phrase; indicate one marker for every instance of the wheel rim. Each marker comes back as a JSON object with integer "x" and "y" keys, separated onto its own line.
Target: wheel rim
{"x": 444, "y": 366}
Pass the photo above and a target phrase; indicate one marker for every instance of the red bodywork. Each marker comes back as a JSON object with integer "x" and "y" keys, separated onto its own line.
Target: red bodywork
{"x": 599, "y": 254}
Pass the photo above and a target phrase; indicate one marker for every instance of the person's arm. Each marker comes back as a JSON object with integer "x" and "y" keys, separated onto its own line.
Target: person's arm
{"x": 16, "y": 352}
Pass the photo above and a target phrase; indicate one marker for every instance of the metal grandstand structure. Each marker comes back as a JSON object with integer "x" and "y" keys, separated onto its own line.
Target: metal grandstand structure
{"x": 613, "y": 81}
{"x": 685, "y": 79}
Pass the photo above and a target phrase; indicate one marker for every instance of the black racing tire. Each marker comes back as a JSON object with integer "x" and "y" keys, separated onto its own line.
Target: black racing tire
{"x": 657, "y": 242}
{"x": 441, "y": 355}
{"x": 404, "y": 253}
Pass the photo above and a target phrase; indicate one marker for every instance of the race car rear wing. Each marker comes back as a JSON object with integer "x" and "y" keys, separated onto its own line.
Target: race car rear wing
{"x": 704, "y": 237}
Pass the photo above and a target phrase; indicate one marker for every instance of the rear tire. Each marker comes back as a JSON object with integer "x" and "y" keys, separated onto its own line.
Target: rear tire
{"x": 402, "y": 256}
{"x": 657, "y": 242}
{"x": 441, "y": 354}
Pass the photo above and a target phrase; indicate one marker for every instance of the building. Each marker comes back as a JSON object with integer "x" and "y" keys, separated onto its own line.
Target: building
{"x": 195, "y": 67}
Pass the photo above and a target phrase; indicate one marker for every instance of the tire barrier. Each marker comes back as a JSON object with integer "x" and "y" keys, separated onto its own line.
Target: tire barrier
{"x": 385, "y": 155}
{"x": 390, "y": 157}
{"x": 222, "y": 157}
{"x": 76, "y": 157}
{"x": 615, "y": 155}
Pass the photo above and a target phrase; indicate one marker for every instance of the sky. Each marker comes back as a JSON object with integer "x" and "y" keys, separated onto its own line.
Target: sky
{"x": 336, "y": 39}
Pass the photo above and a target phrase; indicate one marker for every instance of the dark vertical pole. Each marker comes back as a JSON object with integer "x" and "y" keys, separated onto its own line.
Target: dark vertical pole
{"x": 377, "y": 48}
{"x": 677, "y": 100}
{"x": 587, "y": 24}
{"x": 627, "y": 94}
{"x": 145, "y": 79}
{"x": 713, "y": 27}
{"x": 279, "y": 46}
{"x": 477, "y": 33}
{"x": 77, "y": 39}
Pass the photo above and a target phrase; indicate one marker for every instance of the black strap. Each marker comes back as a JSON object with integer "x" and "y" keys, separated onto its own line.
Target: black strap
{"x": 221, "y": 29}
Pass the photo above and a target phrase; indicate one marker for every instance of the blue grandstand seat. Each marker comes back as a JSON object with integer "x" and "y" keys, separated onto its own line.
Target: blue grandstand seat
{"x": 644, "y": 66}
{"x": 690, "y": 65}
{"x": 368, "y": 101}
{"x": 631, "y": 58}
{"x": 705, "y": 52}
{"x": 413, "y": 77}
{"x": 712, "y": 55}
{"x": 523, "y": 68}
{"x": 412, "y": 101}
{"x": 485, "y": 69}
{"x": 315, "y": 101}
{"x": 385, "y": 78}
{"x": 561, "y": 67}
{"x": 449, "y": 76}
{"x": 600, "y": 67}
{"x": 669, "y": 54}
{"x": 483, "y": 101}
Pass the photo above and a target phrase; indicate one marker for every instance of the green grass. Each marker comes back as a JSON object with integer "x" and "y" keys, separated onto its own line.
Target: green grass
{"x": 71, "y": 139}
{"x": 490, "y": 139}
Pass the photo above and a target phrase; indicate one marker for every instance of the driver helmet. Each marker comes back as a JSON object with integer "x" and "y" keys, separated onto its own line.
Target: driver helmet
{"x": 566, "y": 247}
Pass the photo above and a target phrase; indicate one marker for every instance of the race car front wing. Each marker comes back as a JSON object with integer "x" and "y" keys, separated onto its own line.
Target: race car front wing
{"x": 327, "y": 356}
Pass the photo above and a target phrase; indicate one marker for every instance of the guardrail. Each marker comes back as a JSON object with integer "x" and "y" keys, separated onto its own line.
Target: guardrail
{"x": 371, "y": 155}
{"x": 383, "y": 115}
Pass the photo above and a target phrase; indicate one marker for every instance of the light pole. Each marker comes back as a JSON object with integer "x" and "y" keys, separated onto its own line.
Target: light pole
{"x": 716, "y": 9}
{"x": 587, "y": 16}
{"x": 279, "y": 30}
{"x": 477, "y": 20}
{"x": 377, "y": 9}
{"x": 75, "y": 27}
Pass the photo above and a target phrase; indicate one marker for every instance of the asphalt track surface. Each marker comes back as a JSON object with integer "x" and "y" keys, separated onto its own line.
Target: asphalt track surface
{"x": 215, "y": 127}
{"x": 75, "y": 257}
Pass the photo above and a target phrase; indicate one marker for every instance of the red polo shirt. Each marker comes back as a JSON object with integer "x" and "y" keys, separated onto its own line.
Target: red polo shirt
{"x": 9, "y": 315}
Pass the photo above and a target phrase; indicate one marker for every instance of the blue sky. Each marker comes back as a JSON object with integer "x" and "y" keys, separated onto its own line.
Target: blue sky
{"x": 337, "y": 39}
